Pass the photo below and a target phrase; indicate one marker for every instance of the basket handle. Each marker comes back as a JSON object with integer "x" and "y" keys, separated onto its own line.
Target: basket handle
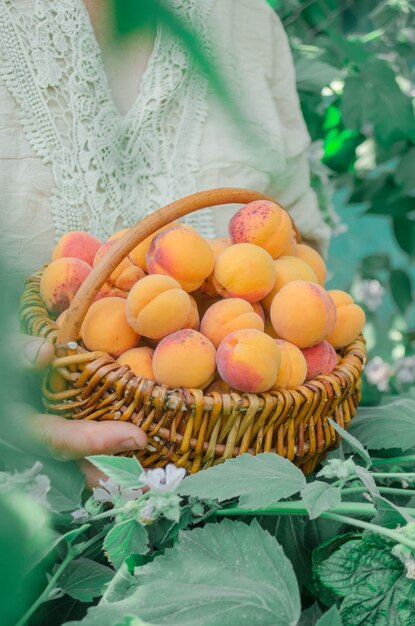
{"x": 143, "y": 229}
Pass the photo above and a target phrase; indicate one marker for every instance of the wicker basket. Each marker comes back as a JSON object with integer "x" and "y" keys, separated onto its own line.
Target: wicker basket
{"x": 185, "y": 426}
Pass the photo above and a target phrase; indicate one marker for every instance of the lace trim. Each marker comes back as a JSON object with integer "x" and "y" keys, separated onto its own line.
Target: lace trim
{"x": 109, "y": 170}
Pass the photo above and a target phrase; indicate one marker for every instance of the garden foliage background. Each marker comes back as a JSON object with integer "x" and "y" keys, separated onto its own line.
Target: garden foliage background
{"x": 355, "y": 65}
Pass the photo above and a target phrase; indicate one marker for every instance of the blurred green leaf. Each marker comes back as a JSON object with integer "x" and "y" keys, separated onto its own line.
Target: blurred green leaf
{"x": 405, "y": 172}
{"x": 313, "y": 74}
{"x": 401, "y": 289}
{"x": 330, "y": 618}
{"x": 353, "y": 441}
{"x": 404, "y": 230}
{"x": 310, "y": 616}
{"x": 389, "y": 425}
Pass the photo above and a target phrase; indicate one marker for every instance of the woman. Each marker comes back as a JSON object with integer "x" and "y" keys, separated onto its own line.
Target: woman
{"x": 95, "y": 136}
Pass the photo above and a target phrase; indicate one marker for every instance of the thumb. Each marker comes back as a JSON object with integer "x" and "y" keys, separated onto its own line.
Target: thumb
{"x": 71, "y": 439}
{"x": 35, "y": 352}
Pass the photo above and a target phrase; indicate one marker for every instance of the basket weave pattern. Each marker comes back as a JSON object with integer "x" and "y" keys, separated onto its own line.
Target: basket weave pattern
{"x": 186, "y": 426}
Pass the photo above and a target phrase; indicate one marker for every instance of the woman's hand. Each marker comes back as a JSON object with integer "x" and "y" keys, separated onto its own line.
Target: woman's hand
{"x": 70, "y": 439}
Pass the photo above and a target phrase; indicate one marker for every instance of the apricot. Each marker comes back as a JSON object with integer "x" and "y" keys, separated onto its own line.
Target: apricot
{"x": 265, "y": 224}
{"x": 350, "y": 320}
{"x": 321, "y": 359}
{"x": 139, "y": 253}
{"x": 314, "y": 260}
{"x": 77, "y": 244}
{"x": 106, "y": 328}
{"x": 60, "y": 281}
{"x": 293, "y": 367}
{"x": 303, "y": 313}
{"x": 248, "y": 360}
{"x": 288, "y": 268}
{"x": 182, "y": 254}
{"x": 157, "y": 306}
{"x": 108, "y": 291}
{"x": 226, "y": 316}
{"x": 126, "y": 274}
{"x": 259, "y": 309}
{"x": 118, "y": 234}
{"x": 217, "y": 245}
{"x": 244, "y": 271}
{"x": 193, "y": 321}
{"x": 140, "y": 361}
{"x": 184, "y": 359}
{"x": 219, "y": 386}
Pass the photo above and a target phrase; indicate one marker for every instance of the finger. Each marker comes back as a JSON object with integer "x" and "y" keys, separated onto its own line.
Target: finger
{"x": 71, "y": 439}
{"x": 35, "y": 352}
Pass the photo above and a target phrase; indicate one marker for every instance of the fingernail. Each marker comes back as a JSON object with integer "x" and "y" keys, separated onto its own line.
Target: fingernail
{"x": 31, "y": 351}
{"x": 129, "y": 444}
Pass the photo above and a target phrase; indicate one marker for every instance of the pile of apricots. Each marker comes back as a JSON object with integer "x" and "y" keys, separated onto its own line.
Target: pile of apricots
{"x": 248, "y": 313}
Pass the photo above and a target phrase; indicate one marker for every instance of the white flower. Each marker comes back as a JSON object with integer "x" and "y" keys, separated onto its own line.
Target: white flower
{"x": 111, "y": 492}
{"x": 378, "y": 373}
{"x": 163, "y": 480}
{"x": 405, "y": 369}
{"x": 370, "y": 292}
{"x": 336, "y": 468}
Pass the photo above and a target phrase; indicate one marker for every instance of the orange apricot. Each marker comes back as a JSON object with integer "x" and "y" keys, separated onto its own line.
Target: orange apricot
{"x": 118, "y": 234}
{"x": 140, "y": 361}
{"x": 182, "y": 254}
{"x": 193, "y": 321}
{"x": 126, "y": 274}
{"x": 60, "y": 281}
{"x": 350, "y": 320}
{"x": 217, "y": 245}
{"x": 303, "y": 313}
{"x": 244, "y": 271}
{"x": 288, "y": 268}
{"x": 226, "y": 316}
{"x": 77, "y": 244}
{"x": 184, "y": 359}
{"x": 265, "y": 224}
{"x": 157, "y": 306}
{"x": 314, "y": 260}
{"x": 106, "y": 328}
{"x": 293, "y": 367}
{"x": 139, "y": 253}
{"x": 248, "y": 360}
{"x": 321, "y": 359}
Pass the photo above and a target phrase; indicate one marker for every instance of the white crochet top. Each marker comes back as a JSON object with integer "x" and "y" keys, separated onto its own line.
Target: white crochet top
{"x": 70, "y": 160}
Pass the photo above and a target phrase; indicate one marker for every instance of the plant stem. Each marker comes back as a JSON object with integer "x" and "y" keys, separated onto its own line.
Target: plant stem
{"x": 296, "y": 508}
{"x": 72, "y": 553}
{"x": 410, "y": 475}
{"x": 380, "y": 530}
{"x": 115, "y": 511}
{"x": 391, "y": 490}
{"x": 396, "y": 460}
{"x": 45, "y": 593}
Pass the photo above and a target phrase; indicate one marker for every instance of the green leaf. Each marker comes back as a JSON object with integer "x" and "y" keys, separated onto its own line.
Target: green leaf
{"x": 372, "y": 582}
{"x": 367, "y": 479}
{"x": 310, "y": 616}
{"x": 219, "y": 575}
{"x": 331, "y": 618}
{"x": 401, "y": 288}
{"x": 353, "y": 442}
{"x": 390, "y": 425}
{"x": 313, "y": 74}
{"x": 85, "y": 579}
{"x": 319, "y": 496}
{"x": 404, "y": 174}
{"x": 353, "y": 103}
{"x": 404, "y": 231}
{"x": 124, "y": 539}
{"x": 289, "y": 531}
{"x": 388, "y": 514}
{"x": 123, "y": 470}
{"x": 259, "y": 481}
